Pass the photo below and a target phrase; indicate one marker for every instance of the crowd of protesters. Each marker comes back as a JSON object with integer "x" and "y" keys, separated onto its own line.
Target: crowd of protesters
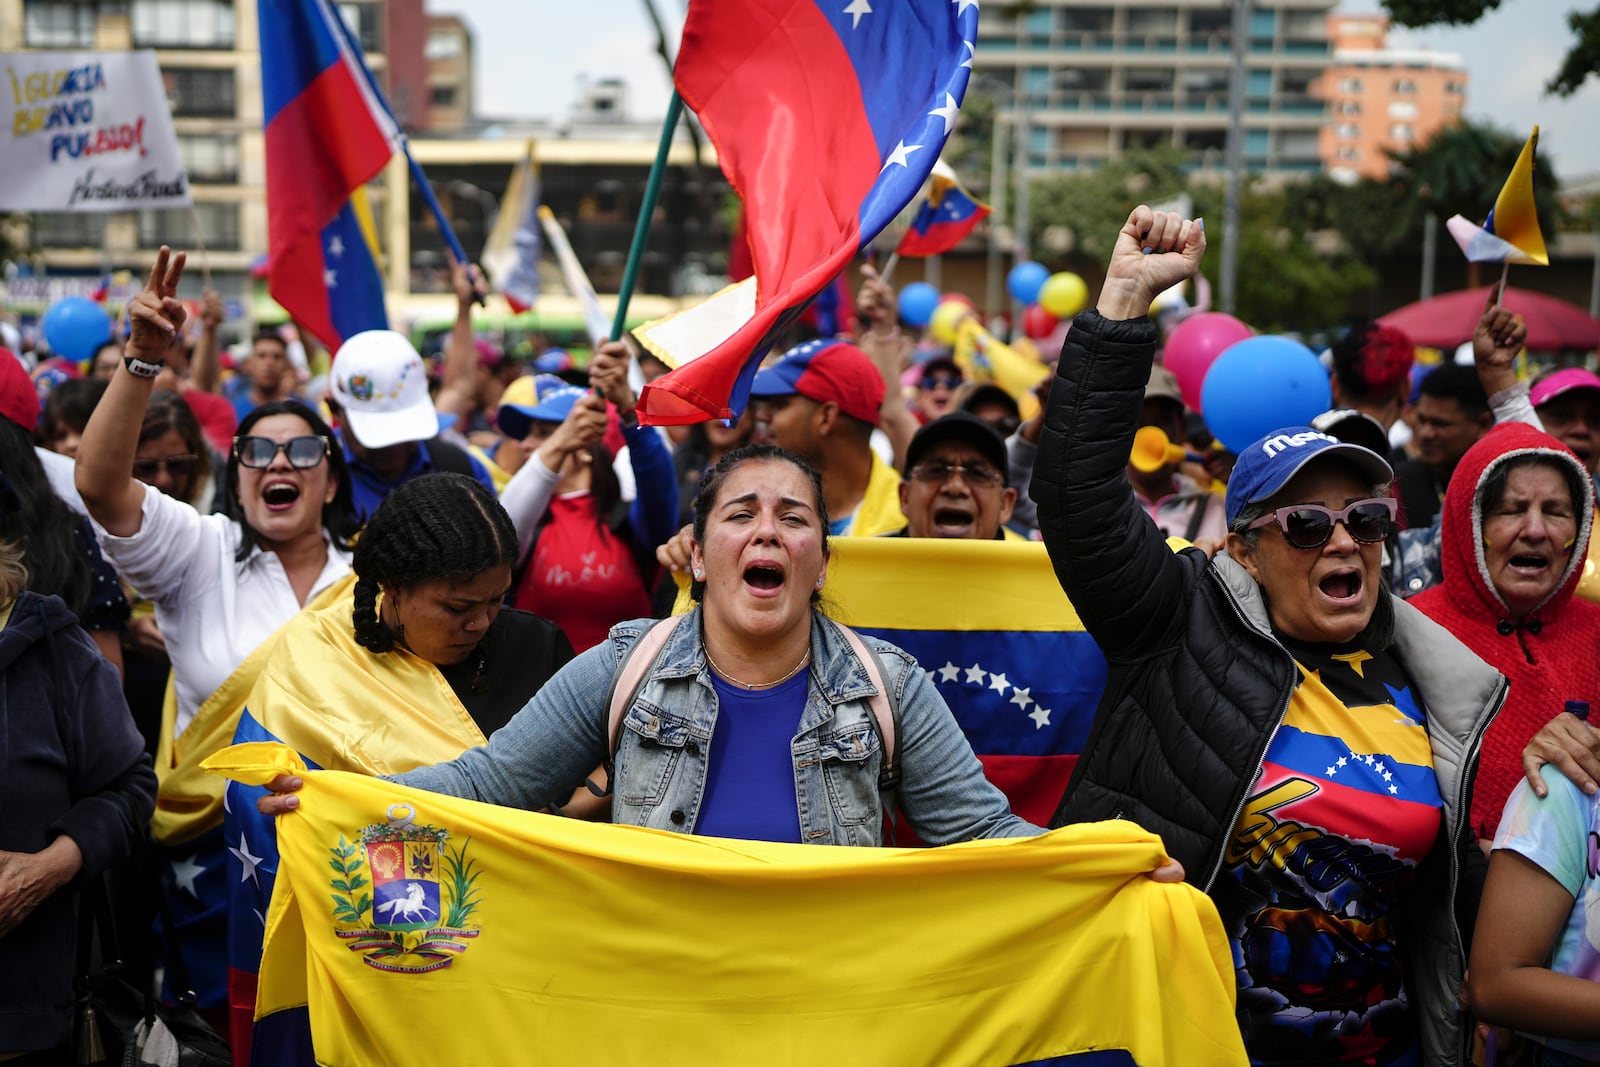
{"x": 1350, "y": 666}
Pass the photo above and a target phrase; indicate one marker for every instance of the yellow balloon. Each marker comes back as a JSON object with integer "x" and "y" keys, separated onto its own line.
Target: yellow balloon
{"x": 1063, "y": 295}
{"x": 946, "y": 319}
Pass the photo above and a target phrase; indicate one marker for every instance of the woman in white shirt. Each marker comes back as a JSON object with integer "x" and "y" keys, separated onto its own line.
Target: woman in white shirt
{"x": 221, "y": 584}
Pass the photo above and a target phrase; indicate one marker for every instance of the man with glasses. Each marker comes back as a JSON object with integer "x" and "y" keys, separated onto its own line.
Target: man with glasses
{"x": 955, "y": 483}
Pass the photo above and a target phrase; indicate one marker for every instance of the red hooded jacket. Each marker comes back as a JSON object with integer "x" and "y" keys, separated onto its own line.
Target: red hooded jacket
{"x": 1552, "y": 654}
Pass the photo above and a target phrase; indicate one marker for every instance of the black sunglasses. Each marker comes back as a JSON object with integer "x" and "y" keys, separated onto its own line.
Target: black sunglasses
{"x": 258, "y": 452}
{"x": 177, "y": 466}
{"x": 1310, "y": 525}
{"x": 935, "y": 381}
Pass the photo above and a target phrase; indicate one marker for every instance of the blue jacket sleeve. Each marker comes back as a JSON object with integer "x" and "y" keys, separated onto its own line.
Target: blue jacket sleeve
{"x": 654, "y": 515}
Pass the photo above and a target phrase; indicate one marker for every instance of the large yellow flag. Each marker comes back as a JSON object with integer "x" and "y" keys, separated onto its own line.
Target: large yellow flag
{"x": 410, "y": 927}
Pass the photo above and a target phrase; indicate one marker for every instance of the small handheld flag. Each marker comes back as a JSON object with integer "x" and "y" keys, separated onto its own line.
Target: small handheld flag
{"x": 947, "y": 214}
{"x": 1511, "y": 232}
{"x": 512, "y": 252}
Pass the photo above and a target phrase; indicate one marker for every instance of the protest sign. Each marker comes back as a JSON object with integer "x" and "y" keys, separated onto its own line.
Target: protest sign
{"x": 87, "y": 131}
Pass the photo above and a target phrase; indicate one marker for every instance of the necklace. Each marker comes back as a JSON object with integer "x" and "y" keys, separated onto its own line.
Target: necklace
{"x": 805, "y": 659}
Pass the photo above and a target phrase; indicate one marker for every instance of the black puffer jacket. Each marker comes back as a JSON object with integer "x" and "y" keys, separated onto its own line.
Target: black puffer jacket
{"x": 1197, "y": 682}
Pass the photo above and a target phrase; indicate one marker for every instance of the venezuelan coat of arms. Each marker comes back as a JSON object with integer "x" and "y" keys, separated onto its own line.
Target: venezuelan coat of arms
{"x": 404, "y": 895}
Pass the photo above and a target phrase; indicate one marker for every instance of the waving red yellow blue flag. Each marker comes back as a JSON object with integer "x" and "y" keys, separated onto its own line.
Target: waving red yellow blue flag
{"x": 947, "y": 214}
{"x": 1511, "y": 232}
{"x": 827, "y": 117}
{"x": 410, "y": 927}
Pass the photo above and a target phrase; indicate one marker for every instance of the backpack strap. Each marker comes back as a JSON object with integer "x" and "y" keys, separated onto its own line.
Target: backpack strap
{"x": 626, "y": 682}
{"x": 885, "y": 713}
{"x": 1197, "y": 518}
{"x": 449, "y": 458}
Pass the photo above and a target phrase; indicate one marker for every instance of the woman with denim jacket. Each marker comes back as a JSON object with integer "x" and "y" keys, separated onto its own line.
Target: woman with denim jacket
{"x": 754, "y": 721}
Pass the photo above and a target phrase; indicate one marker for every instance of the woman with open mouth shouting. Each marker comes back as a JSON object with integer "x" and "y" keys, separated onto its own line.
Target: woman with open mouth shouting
{"x": 1303, "y": 741}
{"x": 222, "y": 584}
{"x": 1514, "y": 537}
{"x": 753, "y": 716}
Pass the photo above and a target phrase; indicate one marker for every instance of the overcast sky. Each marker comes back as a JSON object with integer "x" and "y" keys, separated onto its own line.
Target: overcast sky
{"x": 531, "y": 55}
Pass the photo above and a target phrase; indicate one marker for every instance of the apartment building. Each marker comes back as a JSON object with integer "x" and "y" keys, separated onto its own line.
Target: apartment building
{"x": 1383, "y": 99}
{"x": 1094, "y": 80}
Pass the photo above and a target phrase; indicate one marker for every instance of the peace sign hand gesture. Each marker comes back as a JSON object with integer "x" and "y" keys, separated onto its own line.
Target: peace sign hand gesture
{"x": 155, "y": 315}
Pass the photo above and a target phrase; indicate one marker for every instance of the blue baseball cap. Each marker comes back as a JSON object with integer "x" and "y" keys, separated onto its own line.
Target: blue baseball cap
{"x": 543, "y": 398}
{"x": 825, "y": 370}
{"x": 1268, "y": 463}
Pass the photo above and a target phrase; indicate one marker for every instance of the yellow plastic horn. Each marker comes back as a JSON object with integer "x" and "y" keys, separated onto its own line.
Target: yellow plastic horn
{"x": 1152, "y": 450}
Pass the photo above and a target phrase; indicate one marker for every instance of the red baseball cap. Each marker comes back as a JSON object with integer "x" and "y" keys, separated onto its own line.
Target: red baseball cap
{"x": 825, "y": 370}
{"x": 19, "y": 397}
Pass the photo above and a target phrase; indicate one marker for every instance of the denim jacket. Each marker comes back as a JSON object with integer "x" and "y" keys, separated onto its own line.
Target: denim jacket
{"x": 664, "y": 745}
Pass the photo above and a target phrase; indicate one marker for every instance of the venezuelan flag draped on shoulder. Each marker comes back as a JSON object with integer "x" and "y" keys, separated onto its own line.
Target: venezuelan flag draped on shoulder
{"x": 412, "y": 927}
{"x": 328, "y": 133}
{"x": 827, "y": 117}
{"x": 988, "y": 622}
{"x": 339, "y": 706}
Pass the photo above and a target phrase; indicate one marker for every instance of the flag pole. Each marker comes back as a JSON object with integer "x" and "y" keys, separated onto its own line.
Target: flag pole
{"x": 888, "y": 267}
{"x": 200, "y": 243}
{"x": 647, "y": 209}
{"x": 452, "y": 243}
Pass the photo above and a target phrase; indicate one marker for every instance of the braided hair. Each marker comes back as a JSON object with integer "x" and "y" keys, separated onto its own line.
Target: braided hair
{"x": 711, "y": 484}
{"x": 436, "y": 526}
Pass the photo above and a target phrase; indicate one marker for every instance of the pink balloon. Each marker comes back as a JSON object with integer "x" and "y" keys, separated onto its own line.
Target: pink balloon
{"x": 1195, "y": 344}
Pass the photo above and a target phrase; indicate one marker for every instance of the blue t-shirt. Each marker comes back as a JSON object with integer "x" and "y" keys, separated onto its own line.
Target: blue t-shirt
{"x": 750, "y": 791}
{"x": 1561, "y": 835}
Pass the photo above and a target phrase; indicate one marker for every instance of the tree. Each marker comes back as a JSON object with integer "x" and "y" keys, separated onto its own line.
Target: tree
{"x": 1582, "y": 60}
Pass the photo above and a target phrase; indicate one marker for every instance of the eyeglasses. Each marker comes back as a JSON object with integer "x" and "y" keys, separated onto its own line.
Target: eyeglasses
{"x": 941, "y": 381}
{"x": 177, "y": 466}
{"x": 937, "y": 472}
{"x": 1310, "y": 525}
{"x": 258, "y": 452}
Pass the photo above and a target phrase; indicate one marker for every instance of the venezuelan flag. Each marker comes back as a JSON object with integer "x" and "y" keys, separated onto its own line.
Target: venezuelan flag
{"x": 945, "y": 216}
{"x": 989, "y": 623}
{"x": 1511, "y": 232}
{"x": 411, "y": 927}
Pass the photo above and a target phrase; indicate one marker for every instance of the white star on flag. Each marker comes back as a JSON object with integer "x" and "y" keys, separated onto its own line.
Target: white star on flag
{"x": 335, "y": 246}
{"x": 949, "y": 672}
{"x": 901, "y": 154}
{"x": 976, "y": 675}
{"x": 998, "y": 683}
{"x": 330, "y": 278}
{"x": 1040, "y": 716}
{"x": 1341, "y": 761}
{"x": 971, "y": 55}
{"x": 1022, "y": 697}
{"x": 948, "y": 112}
{"x": 858, "y": 8}
{"x": 250, "y": 862}
{"x": 1393, "y": 791}
{"x": 962, "y": 5}
{"x": 184, "y": 872}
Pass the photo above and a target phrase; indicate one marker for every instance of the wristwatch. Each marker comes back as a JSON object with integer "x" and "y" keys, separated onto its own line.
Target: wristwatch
{"x": 140, "y": 369}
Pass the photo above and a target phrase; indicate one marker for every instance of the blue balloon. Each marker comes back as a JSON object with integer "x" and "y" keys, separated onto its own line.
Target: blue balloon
{"x": 1259, "y": 385}
{"x": 76, "y": 327}
{"x": 1025, "y": 281}
{"x": 917, "y": 302}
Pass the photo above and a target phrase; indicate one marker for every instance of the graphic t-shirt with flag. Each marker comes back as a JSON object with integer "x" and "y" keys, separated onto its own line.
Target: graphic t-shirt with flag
{"x": 1345, "y": 807}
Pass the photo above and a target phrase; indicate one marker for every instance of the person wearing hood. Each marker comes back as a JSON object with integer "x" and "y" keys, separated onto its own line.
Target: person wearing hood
{"x": 77, "y": 790}
{"x": 1516, "y": 526}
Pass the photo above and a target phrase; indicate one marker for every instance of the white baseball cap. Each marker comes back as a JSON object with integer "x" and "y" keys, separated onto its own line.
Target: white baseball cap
{"x": 380, "y": 382}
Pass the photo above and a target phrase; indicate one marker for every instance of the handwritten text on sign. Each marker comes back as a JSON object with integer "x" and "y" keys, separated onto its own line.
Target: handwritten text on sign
{"x": 88, "y": 131}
